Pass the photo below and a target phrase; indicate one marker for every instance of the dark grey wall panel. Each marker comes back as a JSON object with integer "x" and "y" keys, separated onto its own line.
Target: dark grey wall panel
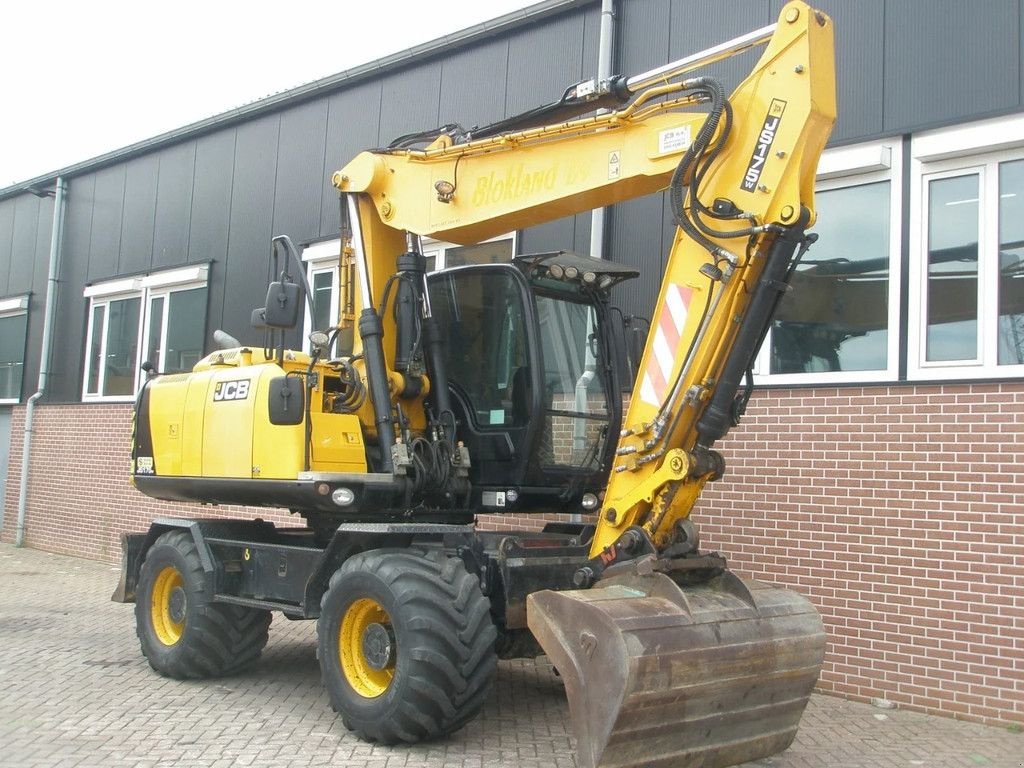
{"x": 643, "y": 35}
{"x": 353, "y": 124}
{"x": 107, "y": 207}
{"x": 951, "y": 60}
{"x": 696, "y": 25}
{"x": 245, "y": 273}
{"x": 543, "y": 60}
{"x": 7, "y": 208}
{"x": 409, "y": 101}
{"x": 37, "y": 301}
{"x": 473, "y": 85}
{"x": 300, "y": 163}
{"x": 859, "y": 57}
{"x": 23, "y": 246}
{"x": 173, "y": 205}
{"x": 65, "y": 382}
{"x": 141, "y": 176}
{"x": 638, "y": 233}
{"x": 211, "y": 198}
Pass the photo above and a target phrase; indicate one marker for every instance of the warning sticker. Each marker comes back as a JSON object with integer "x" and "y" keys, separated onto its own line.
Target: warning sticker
{"x": 673, "y": 139}
{"x": 614, "y": 164}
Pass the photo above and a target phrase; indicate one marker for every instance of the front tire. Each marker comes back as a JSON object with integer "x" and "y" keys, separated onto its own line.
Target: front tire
{"x": 183, "y": 633}
{"x": 406, "y": 645}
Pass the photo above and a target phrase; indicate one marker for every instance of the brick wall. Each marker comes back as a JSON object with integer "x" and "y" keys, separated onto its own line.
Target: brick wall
{"x": 80, "y": 497}
{"x": 899, "y": 510}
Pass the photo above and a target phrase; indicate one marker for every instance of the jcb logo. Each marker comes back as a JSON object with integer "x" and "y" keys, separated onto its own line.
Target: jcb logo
{"x": 231, "y": 390}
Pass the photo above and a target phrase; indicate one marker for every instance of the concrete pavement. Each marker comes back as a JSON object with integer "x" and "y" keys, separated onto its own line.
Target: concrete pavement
{"x": 76, "y": 691}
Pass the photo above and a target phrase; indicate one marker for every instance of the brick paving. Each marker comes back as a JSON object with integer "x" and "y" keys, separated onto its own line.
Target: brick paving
{"x": 75, "y": 691}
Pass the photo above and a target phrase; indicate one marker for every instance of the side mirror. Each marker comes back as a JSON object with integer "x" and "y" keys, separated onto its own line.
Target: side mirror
{"x": 287, "y": 401}
{"x": 282, "y": 307}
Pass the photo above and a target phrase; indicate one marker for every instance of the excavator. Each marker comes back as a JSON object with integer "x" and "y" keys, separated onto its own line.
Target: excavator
{"x": 439, "y": 397}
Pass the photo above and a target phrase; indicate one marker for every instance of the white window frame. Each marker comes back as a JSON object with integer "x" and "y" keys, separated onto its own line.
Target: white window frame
{"x": 855, "y": 166}
{"x": 966, "y": 149}
{"x": 146, "y": 288}
{"x": 324, "y": 257}
{"x": 12, "y": 307}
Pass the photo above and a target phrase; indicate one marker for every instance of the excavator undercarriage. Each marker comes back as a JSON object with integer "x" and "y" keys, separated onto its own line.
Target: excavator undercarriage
{"x": 491, "y": 389}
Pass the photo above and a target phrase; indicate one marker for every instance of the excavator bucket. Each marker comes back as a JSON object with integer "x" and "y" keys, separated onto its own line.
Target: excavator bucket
{"x": 700, "y": 676}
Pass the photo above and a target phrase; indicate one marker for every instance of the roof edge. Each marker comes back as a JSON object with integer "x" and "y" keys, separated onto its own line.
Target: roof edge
{"x": 267, "y": 104}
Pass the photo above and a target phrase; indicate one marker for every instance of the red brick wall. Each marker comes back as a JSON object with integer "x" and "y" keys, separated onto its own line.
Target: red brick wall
{"x": 80, "y": 498}
{"x": 899, "y": 510}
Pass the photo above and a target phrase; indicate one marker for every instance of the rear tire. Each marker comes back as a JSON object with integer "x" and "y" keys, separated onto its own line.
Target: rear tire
{"x": 406, "y": 645}
{"x": 183, "y": 633}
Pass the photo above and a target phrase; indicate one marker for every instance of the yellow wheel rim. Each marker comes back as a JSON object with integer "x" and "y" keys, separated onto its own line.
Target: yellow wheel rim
{"x": 366, "y": 624}
{"x": 167, "y": 605}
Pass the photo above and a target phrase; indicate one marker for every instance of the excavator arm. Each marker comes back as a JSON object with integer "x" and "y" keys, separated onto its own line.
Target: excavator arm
{"x": 741, "y": 178}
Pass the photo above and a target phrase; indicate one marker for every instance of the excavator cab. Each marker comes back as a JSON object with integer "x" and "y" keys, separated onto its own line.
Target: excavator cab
{"x": 533, "y": 375}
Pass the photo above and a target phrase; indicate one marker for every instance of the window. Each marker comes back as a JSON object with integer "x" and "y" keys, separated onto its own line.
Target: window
{"x": 160, "y": 319}
{"x": 967, "y": 258}
{"x": 839, "y": 320}
{"x": 322, "y": 271}
{"x": 13, "y": 325}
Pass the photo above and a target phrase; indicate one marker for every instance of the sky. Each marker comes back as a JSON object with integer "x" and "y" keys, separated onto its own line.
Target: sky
{"x": 79, "y": 79}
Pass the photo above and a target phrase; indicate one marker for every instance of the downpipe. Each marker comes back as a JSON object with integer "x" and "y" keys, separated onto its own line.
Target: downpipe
{"x": 56, "y": 238}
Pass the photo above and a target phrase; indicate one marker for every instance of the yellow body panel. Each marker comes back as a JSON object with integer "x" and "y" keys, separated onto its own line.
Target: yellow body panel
{"x": 337, "y": 443}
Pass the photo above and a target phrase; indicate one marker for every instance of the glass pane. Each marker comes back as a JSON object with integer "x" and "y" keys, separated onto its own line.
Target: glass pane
{"x": 186, "y": 328}
{"x": 1011, "y": 263}
{"x": 122, "y": 356}
{"x": 95, "y": 345}
{"x": 574, "y": 393}
{"x": 12, "y": 354}
{"x": 952, "y": 311}
{"x": 485, "y": 322}
{"x": 156, "y": 331}
{"x": 322, "y": 320}
{"x": 836, "y": 315}
{"x": 498, "y": 252}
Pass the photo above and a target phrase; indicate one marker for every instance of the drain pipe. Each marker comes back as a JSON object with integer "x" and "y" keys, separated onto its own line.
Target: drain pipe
{"x": 56, "y": 236}
{"x": 605, "y": 55}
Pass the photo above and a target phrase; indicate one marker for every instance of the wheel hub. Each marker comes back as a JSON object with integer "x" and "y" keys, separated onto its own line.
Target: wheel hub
{"x": 176, "y": 605}
{"x": 379, "y": 646}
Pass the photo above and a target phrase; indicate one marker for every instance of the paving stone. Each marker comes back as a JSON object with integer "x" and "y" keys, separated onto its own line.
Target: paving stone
{"x": 76, "y": 691}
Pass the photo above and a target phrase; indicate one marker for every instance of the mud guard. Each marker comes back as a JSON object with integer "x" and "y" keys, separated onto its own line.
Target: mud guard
{"x": 703, "y": 676}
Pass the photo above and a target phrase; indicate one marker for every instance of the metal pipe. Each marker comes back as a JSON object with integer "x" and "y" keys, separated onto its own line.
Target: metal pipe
{"x": 605, "y": 62}
{"x": 707, "y": 56}
{"x": 56, "y": 236}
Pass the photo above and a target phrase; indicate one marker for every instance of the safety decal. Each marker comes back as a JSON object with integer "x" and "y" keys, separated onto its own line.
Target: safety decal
{"x": 764, "y": 145}
{"x": 667, "y": 334}
{"x": 231, "y": 390}
{"x": 144, "y": 465}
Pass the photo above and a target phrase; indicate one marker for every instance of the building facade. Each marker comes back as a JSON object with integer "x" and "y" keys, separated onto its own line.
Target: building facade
{"x": 879, "y": 467}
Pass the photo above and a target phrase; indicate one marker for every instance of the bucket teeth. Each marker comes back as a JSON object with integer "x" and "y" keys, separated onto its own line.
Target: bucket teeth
{"x": 656, "y": 674}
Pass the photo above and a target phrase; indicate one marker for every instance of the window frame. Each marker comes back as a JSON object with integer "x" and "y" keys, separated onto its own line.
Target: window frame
{"x": 16, "y": 306}
{"x": 145, "y": 288}
{"x": 325, "y": 255}
{"x": 976, "y": 148}
{"x": 843, "y": 168}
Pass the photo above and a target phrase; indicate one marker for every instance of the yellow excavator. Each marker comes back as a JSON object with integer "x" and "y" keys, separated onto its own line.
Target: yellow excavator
{"x": 436, "y": 397}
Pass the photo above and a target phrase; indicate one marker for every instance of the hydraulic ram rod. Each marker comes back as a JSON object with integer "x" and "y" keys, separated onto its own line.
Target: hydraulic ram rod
{"x": 702, "y": 58}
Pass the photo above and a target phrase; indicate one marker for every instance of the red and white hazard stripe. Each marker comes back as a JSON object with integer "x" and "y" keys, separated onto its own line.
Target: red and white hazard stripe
{"x": 668, "y": 332}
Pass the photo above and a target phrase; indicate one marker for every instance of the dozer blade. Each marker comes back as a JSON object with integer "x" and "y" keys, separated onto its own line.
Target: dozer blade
{"x": 704, "y": 676}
